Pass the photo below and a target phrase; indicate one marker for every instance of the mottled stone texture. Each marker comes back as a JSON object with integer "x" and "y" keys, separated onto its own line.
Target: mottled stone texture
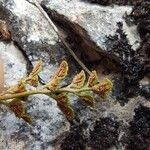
{"x": 33, "y": 34}
{"x": 120, "y": 122}
{"x": 49, "y": 121}
{"x": 104, "y": 30}
{"x": 92, "y": 22}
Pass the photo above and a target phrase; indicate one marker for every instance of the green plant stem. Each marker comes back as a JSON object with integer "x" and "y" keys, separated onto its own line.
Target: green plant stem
{"x": 16, "y": 95}
{"x": 42, "y": 91}
{"x": 73, "y": 90}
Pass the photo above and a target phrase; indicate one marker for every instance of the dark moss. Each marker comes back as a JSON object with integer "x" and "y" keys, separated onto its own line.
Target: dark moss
{"x": 145, "y": 51}
{"x": 118, "y": 91}
{"x": 118, "y": 2}
{"x": 132, "y": 64}
{"x": 141, "y": 16}
{"x": 141, "y": 11}
{"x": 144, "y": 27}
{"x": 139, "y": 135}
{"x": 101, "y": 2}
{"x": 135, "y": 65}
{"x": 74, "y": 139}
{"x": 104, "y": 135}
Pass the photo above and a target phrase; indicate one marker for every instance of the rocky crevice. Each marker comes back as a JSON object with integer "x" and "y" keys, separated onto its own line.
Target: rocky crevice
{"x": 78, "y": 37}
{"x": 129, "y": 62}
{"x": 79, "y": 40}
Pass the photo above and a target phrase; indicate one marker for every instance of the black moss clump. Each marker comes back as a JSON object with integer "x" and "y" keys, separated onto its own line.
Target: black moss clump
{"x": 139, "y": 137}
{"x": 132, "y": 64}
{"x": 131, "y": 61}
{"x": 135, "y": 65}
{"x": 118, "y": 2}
{"x": 101, "y": 2}
{"x": 141, "y": 16}
{"x": 104, "y": 135}
{"x": 145, "y": 51}
{"x": 74, "y": 139}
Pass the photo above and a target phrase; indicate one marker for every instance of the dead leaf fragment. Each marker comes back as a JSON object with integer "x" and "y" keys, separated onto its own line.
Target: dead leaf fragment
{"x": 1, "y": 76}
{"x": 5, "y": 34}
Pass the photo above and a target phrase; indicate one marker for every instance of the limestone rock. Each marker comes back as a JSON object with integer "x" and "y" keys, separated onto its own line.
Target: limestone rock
{"x": 36, "y": 39}
{"x": 93, "y": 23}
{"x": 49, "y": 121}
{"x": 14, "y": 63}
{"x": 33, "y": 34}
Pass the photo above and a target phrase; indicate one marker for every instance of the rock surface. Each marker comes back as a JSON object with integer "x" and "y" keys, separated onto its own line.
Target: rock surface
{"x": 93, "y": 23}
{"x": 36, "y": 39}
{"x": 33, "y": 34}
{"x": 14, "y": 61}
{"x": 109, "y": 125}
{"x": 49, "y": 121}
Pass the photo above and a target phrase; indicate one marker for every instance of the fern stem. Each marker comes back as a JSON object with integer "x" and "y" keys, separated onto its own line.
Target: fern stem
{"x": 26, "y": 93}
{"x": 43, "y": 91}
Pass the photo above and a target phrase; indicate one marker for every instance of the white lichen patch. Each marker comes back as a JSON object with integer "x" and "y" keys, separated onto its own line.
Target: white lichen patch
{"x": 132, "y": 35}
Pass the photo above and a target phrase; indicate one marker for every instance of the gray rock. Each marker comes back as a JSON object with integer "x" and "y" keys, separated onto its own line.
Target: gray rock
{"x": 14, "y": 63}
{"x": 49, "y": 120}
{"x": 14, "y": 68}
{"x": 32, "y": 32}
{"x": 93, "y": 23}
{"x": 33, "y": 35}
